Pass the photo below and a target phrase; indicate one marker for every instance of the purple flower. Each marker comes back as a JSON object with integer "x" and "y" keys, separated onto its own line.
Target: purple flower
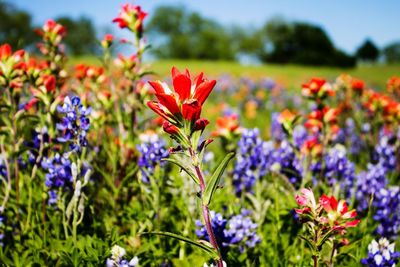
{"x": 388, "y": 212}
{"x": 381, "y": 254}
{"x": 370, "y": 183}
{"x": 238, "y": 231}
{"x": 152, "y": 150}
{"x": 251, "y": 160}
{"x": 75, "y": 123}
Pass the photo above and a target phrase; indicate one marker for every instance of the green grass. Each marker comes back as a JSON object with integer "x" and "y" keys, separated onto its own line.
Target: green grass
{"x": 287, "y": 75}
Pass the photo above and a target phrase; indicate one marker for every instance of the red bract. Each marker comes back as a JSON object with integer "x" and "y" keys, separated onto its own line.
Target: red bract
{"x": 357, "y": 85}
{"x": 307, "y": 201}
{"x": 131, "y": 17}
{"x": 185, "y": 103}
{"x": 107, "y": 40}
{"x": 317, "y": 88}
{"x": 52, "y": 32}
{"x": 227, "y": 125}
{"x": 338, "y": 214}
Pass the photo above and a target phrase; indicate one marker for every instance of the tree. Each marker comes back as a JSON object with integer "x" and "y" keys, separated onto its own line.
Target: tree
{"x": 368, "y": 51}
{"x": 300, "y": 43}
{"x": 178, "y": 33}
{"x": 15, "y": 27}
{"x": 81, "y": 35}
{"x": 391, "y": 53}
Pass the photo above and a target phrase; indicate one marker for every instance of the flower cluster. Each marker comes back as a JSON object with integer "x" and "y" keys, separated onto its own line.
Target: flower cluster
{"x": 117, "y": 258}
{"x": 388, "y": 212}
{"x": 381, "y": 253}
{"x": 337, "y": 168}
{"x": 131, "y": 17}
{"x": 238, "y": 231}
{"x": 12, "y": 67}
{"x": 152, "y": 150}
{"x": 317, "y": 89}
{"x": 52, "y": 32}
{"x": 328, "y": 217}
{"x": 59, "y": 175}
{"x": 182, "y": 108}
{"x": 75, "y": 123}
{"x": 251, "y": 160}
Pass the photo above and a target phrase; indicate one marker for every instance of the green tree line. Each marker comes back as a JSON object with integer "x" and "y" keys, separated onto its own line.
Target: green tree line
{"x": 176, "y": 32}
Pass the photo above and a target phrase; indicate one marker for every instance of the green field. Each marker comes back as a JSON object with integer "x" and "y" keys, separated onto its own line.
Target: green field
{"x": 287, "y": 75}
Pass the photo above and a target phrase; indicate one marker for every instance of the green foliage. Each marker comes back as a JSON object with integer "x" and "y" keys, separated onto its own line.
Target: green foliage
{"x": 81, "y": 37}
{"x": 16, "y": 26}
{"x": 187, "y": 34}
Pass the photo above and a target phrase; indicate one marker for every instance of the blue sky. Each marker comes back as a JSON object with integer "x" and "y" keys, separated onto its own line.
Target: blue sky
{"x": 348, "y": 23}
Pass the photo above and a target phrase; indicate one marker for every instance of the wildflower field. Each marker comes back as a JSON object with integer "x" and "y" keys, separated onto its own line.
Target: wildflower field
{"x": 108, "y": 164}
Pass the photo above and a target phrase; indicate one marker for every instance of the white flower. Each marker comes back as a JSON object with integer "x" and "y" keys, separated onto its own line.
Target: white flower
{"x": 117, "y": 252}
{"x": 134, "y": 261}
{"x": 373, "y": 247}
{"x": 378, "y": 259}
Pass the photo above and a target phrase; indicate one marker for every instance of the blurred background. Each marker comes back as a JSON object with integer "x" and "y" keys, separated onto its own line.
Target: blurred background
{"x": 274, "y": 38}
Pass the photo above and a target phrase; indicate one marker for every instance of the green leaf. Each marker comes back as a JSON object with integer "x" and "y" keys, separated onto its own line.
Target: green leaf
{"x": 184, "y": 166}
{"x": 214, "y": 181}
{"x": 203, "y": 244}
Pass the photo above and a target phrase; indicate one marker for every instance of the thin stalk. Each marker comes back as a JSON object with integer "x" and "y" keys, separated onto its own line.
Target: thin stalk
{"x": 205, "y": 210}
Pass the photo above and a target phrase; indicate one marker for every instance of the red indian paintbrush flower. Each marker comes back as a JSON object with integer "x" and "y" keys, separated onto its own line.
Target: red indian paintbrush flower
{"x": 317, "y": 88}
{"x": 338, "y": 215}
{"x": 183, "y": 105}
{"x": 131, "y": 17}
{"x": 52, "y": 32}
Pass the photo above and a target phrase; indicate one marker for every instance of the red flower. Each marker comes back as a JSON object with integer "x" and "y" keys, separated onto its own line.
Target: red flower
{"x": 357, "y": 85}
{"x": 185, "y": 103}
{"x": 170, "y": 128}
{"x": 50, "y": 83}
{"x": 131, "y": 17}
{"x": 338, "y": 213}
{"x": 317, "y": 88}
{"x": 107, "y": 40}
{"x": 227, "y": 125}
{"x": 307, "y": 200}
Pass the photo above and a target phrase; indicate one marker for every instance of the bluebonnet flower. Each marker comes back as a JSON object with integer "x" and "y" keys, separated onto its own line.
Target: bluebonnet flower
{"x": 242, "y": 229}
{"x": 267, "y": 83}
{"x": 339, "y": 169}
{"x": 299, "y": 135}
{"x": 284, "y": 160}
{"x": 251, "y": 161}
{"x": 59, "y": 174}
{"x": 381, "y": 254}
{"x": 388, "y": 212}
{"x": 277, "y": 132}
{"x": 238, "y": 231}
{"x": 75, "y": 123}
{"x": 117, "y": 258}
{"x": 152, "y": 150}
{"x": 370, "y": 183}
{"x": 34, "y": 144}
{"x": 353, "y": 140}
{"x": 385, "y": 153}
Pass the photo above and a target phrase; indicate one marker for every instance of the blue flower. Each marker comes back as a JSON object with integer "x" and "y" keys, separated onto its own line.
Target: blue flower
{"x": 388, "y": 212}
{"x": 251, "y": 160}
{"x": 381, "y": 254}
{"x": 238, "y": 231}
{"x": 370, "y": 183}
{"x": 152, "y": 150}
{"x": 75, "y": 123}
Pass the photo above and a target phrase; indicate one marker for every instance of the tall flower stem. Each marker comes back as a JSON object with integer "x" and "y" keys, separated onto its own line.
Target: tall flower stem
{"x": 205, "y": 210}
